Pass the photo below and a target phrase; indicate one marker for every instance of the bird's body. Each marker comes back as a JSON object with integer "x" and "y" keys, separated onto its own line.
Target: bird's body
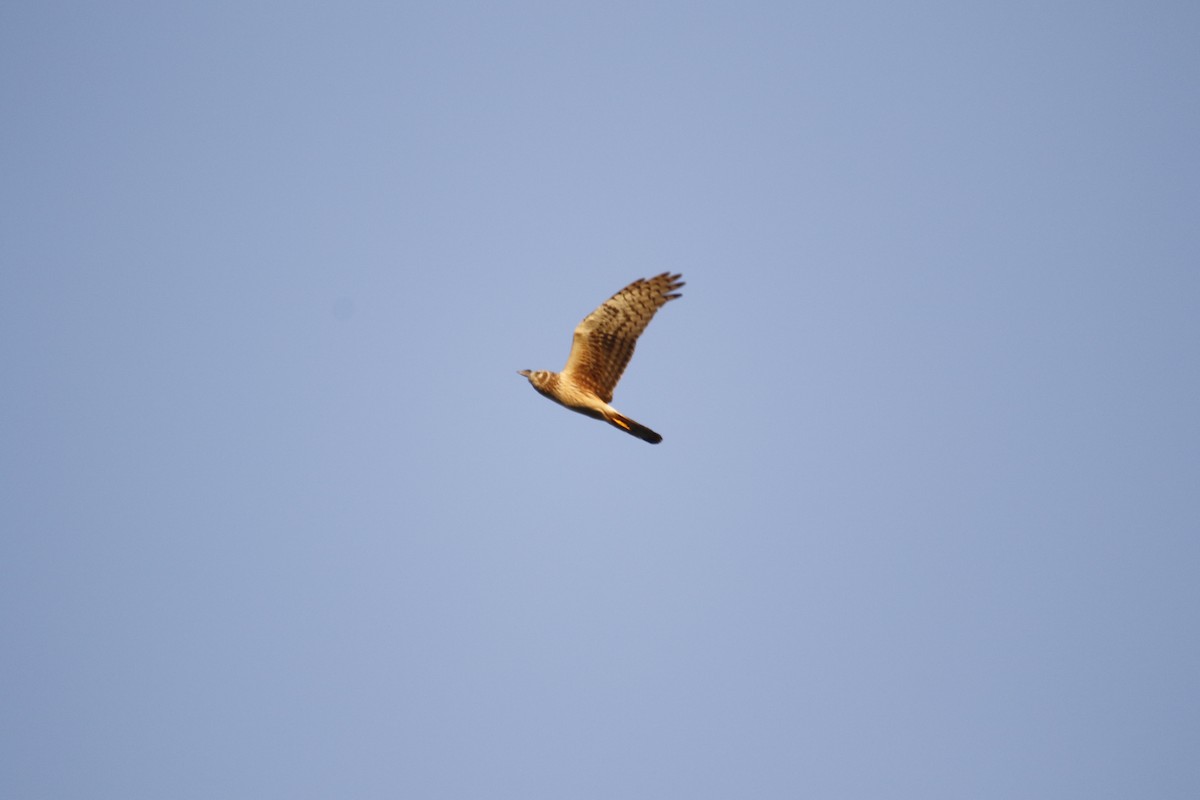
{"x": 602, "y": 347}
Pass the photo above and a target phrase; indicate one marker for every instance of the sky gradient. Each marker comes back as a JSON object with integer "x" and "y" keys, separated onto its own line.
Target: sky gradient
{"x": 280, "y": 520}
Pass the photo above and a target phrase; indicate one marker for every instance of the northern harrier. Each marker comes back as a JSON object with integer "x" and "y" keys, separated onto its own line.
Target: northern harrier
{"x": 602, "y": 347}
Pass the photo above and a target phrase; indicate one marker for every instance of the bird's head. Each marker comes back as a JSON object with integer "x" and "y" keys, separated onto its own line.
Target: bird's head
{"x": 539, "y": 379}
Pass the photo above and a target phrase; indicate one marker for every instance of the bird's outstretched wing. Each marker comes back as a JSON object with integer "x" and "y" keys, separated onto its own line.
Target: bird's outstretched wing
{"x": 605, "y": 339}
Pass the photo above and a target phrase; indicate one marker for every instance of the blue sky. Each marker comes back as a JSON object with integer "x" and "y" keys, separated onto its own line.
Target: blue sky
{"x": 281, "y": 521}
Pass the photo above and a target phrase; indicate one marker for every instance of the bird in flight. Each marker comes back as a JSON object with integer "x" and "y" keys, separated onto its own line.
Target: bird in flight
{"x": 601, "y": 348}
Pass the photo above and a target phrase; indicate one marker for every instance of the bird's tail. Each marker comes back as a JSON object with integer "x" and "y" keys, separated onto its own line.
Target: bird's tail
{"x": 633, "y": 428}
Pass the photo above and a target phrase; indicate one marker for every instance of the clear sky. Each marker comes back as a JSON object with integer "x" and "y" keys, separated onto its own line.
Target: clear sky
{"x": 281, "y": 521}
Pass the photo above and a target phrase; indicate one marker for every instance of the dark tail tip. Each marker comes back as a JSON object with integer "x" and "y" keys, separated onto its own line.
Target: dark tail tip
{"x": 636, "y": 429}
{"x": 647, "y": 435}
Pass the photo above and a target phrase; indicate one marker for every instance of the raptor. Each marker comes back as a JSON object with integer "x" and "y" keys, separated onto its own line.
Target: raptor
{"x": 601, "y": 349}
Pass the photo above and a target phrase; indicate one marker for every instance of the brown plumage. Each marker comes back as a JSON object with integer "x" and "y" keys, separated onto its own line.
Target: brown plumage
{"x": 601, "y": 350}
